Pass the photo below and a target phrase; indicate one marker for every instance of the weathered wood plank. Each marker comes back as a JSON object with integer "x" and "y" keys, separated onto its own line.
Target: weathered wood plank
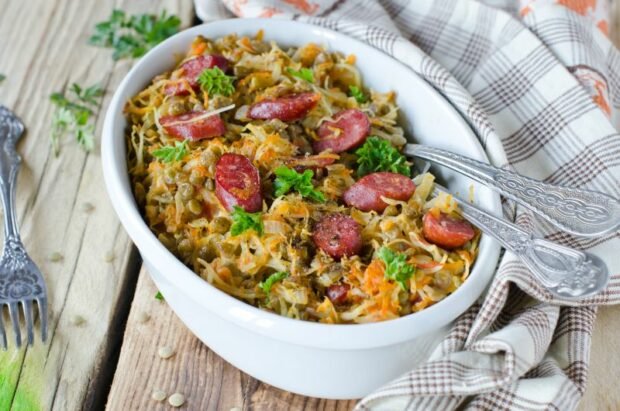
{"x": 207, "y": 381}
{"x": 43, "y": 49}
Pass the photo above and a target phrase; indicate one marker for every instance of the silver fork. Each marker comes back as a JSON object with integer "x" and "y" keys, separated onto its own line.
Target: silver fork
{"x": 564, "y": 271}
{"x": 21, "y": 281}
{"x": 577, "y": 211}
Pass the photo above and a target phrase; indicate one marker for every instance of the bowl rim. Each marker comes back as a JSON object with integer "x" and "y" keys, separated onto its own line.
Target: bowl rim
{"x": 305, "y": 333}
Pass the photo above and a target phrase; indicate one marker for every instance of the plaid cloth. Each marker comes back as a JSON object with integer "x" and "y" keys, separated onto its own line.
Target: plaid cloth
{"x": 540, "y": 83}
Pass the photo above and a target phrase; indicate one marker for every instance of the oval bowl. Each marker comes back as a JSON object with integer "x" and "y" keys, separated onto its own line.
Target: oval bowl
{"x": 320, "y": 360}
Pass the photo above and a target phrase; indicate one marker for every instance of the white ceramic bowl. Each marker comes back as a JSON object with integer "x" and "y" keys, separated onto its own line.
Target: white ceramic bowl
{"x": 329, "y": 361}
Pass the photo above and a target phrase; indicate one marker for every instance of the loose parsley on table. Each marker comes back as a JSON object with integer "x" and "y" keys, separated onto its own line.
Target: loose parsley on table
{"x": 396, "y": 267}
{"x": 271, "y": 280}
{"x": 357, "y": 94}
{"x": 215, "y": 81}
{"x": 73, "y": 115}
{"x": 242, "y": 221}
{"x": 303, "y": 73}
{"x": 2, "y": 77}
{"x": 288, "y": 179}
{"x": 168, "y": 154}
{"x": 378, "y": 154}
{"x": 132, "y": 36}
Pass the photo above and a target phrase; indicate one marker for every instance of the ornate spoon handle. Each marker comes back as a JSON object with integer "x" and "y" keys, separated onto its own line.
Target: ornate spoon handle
{"x": 565, "y": 272}
{"x": 580, "y": 212}
{"x": 9, "y": 167}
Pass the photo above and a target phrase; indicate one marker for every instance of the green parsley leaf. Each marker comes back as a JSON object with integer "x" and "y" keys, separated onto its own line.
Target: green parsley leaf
{"x": 168, "y": 154}
{"x": 396, "y": 267}
{"x": 357, "y": 94}
{"x": 2, "y": 77}
{"x": 73, "y": 116}
{"x": 288, "y": 179}
{"x": 214, "y": 81}
{"x": 133, "y": 36}
{"x": 378, "y": 154}
{"x": 159, "y": 296}
{"x": 271, "y": 280}
{"x": 303, "y": 73}
{"x": 242, "y": 221}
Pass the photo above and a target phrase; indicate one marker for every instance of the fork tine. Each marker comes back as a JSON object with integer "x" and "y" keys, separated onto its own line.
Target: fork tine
{"x": 14, "y": 314}
{"x": 2, "y": 332}
{"x": 27, "y": 306}
{"x": 42, "y": 303}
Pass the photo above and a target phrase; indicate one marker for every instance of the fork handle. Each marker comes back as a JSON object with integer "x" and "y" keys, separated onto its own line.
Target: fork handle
{"x": 577, "y": 211}
{"x": 566, "y": 272}
{"x": 10, "y": 161}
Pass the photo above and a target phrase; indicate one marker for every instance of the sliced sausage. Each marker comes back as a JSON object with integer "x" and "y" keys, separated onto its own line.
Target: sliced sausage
{"x": 366, "y": 194}
{"x": 289, "y": 108}
{"x": 196, "y": 125}
{"x": 348, "y": 130}
{"x": 337, "y": 293}
{"x": 313, "y": 163}
{"x": 338, "y": 235}
{"x": 445, "y": 231}
{"x": 237, "y": 183}
{"x": 192, "y": 69}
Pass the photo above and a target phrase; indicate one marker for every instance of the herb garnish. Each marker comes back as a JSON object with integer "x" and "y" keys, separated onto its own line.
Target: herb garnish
{"x": 159, "y": 296}
{"x": 215, "y": 81}
{"x": 378, "y": 154}
{"x": 357, "y": 94}
{"x": 74, "y": 115}
{"x": 2, "y": 77}
{"x": 396, "y": 267}
{"x": 288, "y": 179}
{"x": 168, "y": 154}
{"x": 242, "y": 221}
{"x": 271, "y": 280}
{"x": 133, "y": 36}
{"x": 303, "y": 73}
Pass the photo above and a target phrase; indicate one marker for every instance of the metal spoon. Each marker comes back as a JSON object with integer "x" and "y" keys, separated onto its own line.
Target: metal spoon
{"x": 565, "y": 272}
{"x": 580, "y": 212}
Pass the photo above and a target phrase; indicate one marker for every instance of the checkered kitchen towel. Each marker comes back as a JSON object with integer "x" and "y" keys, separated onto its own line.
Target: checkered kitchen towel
{"x": 540, "y": 83}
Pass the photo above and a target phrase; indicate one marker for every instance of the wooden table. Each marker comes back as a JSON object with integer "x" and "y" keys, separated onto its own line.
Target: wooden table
{"x": 105, "y": 324}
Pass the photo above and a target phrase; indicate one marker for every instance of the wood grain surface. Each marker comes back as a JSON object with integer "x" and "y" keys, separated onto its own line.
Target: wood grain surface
{"x": 43, "y": 48}
{"x": 207, "y": 381}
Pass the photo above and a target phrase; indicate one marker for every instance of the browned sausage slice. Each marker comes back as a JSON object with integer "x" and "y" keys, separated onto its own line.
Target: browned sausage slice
{"x": 196, "y": 125}
{"x": 192, "y": 69}
{"x": 348, "y": 130}
{"x": 289, "y": 108}
{"x": 338, "y": 235}
{"x": 313, "y": 163}
{"x": 237, "y": 183}
{"x": 445, "y": 231}
{"x": 337, "y": 293}
{"x": 366, "y": 194}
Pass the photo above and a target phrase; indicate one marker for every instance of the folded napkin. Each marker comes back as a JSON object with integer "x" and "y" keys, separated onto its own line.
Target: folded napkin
{"x": 539, "y": 82}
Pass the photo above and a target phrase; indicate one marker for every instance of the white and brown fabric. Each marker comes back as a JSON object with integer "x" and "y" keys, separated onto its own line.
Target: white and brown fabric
{"x": 539, "y": 82}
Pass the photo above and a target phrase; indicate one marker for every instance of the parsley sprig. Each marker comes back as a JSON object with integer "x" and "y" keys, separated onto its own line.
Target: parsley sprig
{"x": 378, "y": 154}
{"x": 242, "y": 221}
{"x": 215, "y": 81}
{"x": 271, "y": 280}
{"x": 288, "y": 179}
{"x": 73, "y": 115}
{"x": 396, "y": 267}
{"x": 132, "y": 36}
{"x": 159, "y": 296}
{"x": 357, "y": 94}
{"x": 303, "y": 73}
{"x": 168, "y": 154}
